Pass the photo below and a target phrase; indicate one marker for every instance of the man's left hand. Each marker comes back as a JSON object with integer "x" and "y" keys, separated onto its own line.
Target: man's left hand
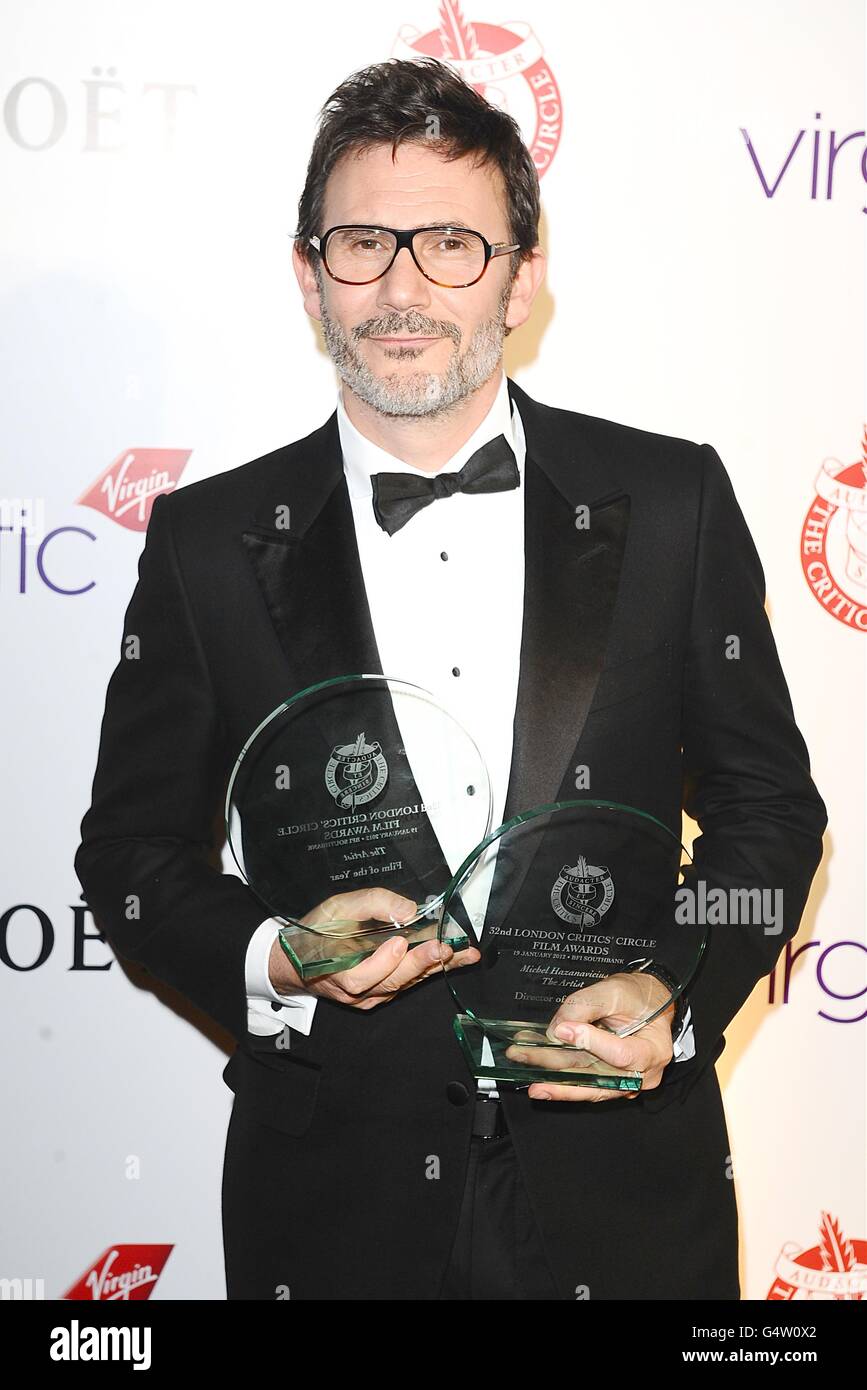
{"x": 618, "y": 1000}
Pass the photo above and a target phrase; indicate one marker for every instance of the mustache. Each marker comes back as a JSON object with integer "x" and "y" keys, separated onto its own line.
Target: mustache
{"x": 412, "y": 327}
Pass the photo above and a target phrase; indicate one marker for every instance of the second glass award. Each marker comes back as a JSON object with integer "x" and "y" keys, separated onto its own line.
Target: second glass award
{"x": 580, "y": 891}
{"x": 357, "y": 782}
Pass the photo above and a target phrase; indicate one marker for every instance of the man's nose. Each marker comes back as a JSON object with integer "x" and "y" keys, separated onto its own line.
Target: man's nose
{"x": 403, "y": 286}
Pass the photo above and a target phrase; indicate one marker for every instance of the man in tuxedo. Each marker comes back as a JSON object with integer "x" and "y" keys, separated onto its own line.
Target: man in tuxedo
{"x": 432, "y": 537}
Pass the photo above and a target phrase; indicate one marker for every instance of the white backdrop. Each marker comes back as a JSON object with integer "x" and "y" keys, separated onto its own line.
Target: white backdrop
{"x": 151, "y": 156}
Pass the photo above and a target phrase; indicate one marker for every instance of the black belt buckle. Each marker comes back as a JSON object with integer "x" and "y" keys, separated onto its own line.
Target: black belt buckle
{"x": 489, "y": 1121}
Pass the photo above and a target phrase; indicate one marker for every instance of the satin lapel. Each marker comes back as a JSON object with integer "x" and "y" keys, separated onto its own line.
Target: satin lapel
{"x": 570, "y": 585}
{"x": 571, "y": 581}
{"x": 309, "y": 570}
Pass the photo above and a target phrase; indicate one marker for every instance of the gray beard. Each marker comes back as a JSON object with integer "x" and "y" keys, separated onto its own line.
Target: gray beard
{"x": 414, "y": 395}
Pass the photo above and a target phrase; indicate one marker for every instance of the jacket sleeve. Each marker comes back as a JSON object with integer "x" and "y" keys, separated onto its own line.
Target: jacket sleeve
{"x": 746, "y": 770}
{"x": 145, "y": 841}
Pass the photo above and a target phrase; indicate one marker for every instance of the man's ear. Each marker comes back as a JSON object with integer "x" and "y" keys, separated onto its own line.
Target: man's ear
{"x": 525, "y": 287}
{"x": 306, "y": 277}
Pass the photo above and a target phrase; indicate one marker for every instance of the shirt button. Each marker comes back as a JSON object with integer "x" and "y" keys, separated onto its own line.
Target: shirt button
{"x": 443, "y": 555}
{"x": 456, "y": 670}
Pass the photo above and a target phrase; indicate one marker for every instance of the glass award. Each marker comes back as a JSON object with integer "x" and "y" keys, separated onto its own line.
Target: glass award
{"x": 576, "y": 891}
{"x": 357, "y": 782}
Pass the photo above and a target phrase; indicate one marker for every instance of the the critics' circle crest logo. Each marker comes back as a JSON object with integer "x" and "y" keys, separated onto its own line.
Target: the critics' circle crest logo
{"x": 836, "y": 1268}
{"x": 490, "y": 57}
{"x": 582, "y": 893}
{"x": 356, "y": 772}
{"x": 834, "y": 540}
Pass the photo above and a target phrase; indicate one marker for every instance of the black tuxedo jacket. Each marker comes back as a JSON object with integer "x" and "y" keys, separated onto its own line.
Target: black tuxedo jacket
{"x": 346, "y": 1153}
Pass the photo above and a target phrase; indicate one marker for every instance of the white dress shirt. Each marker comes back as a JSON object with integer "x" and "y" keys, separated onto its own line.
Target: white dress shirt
{"x": 431, "y": 629}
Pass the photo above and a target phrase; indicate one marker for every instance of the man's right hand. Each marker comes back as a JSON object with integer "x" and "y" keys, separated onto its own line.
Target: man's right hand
{"x": 392, "y": 967}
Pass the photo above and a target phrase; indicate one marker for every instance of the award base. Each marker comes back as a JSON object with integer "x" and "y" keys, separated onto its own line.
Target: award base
{"x": 484, "y": 1043}
{"x": 317, "y": 952}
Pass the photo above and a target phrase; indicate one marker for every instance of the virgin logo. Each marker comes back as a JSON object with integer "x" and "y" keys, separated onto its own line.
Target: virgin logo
{"x": 122, "y": 1272}
{"x": 125, "y": 491}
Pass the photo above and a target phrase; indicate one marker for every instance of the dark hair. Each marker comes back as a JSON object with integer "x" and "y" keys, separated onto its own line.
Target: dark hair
{"x": 423, "y": 102}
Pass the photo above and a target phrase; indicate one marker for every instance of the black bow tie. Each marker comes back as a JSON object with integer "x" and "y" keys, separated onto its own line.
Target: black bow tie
{"x": 398, "y": 496}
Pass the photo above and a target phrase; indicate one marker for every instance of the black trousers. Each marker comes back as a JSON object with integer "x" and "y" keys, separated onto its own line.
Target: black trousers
{"x": 498, "y": 1251}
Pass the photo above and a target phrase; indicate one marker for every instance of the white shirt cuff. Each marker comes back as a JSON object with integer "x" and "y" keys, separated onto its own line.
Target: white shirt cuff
{"x": 296, "y": 1009}
{"x": 684, "y": 1044}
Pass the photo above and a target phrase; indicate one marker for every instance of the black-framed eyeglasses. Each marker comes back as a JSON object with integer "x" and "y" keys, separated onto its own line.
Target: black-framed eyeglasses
{"x": 451, "y": 257}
